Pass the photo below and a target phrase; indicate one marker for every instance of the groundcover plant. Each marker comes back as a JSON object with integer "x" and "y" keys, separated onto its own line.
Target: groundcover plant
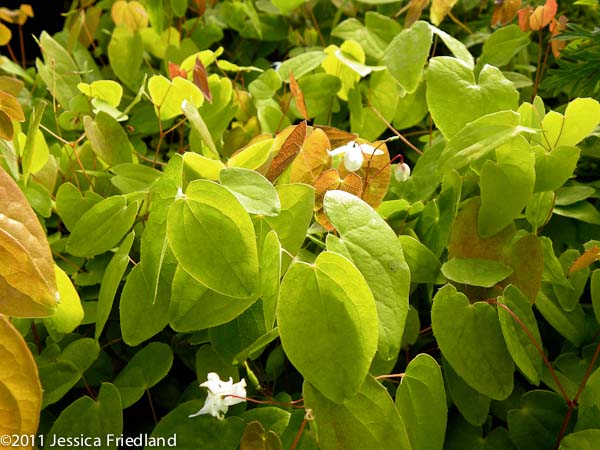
{"x": 280, "y": 224}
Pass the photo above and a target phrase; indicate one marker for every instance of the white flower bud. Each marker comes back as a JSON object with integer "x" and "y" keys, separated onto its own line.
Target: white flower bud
{"x": 401, "y": 172}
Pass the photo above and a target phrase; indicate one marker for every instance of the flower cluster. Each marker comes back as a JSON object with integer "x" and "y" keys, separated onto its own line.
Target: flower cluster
{"x": 221, "y": 395}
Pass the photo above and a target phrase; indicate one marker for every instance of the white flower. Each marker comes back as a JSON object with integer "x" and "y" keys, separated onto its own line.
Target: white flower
{"x": 401, "y": 172}
{"x": 353, "y": 154}
{"x": 221, "y": 395}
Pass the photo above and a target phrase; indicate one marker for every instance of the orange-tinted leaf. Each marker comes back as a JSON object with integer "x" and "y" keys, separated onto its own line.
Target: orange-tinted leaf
{"x": 543, "y": 15}
{"x": 289, "y": 149}
{"x": 201, "y": 7}
{"x": 337, "y": 137}
{"x": 524, "y": 14}
{"x": 6, "y": 127}
{"x": 26, "y": 9}
{"x": 176, "y": 71}
{"x": 11, "y": 106}
{"x": 556, "y": 27}
{"x": 11, "y": 85}
{"x": 20, "y": 387}
{"x": 312, "y": 159}
{"x": 588, "y": 257}
{"x": 201, "y": 79}
{"x": 376, "y": 173}
{"x": 27, "y": 278}
{"x": 415, "y": 9}
{"x": 298, "y": 96}
{"x": 504, "y": 12}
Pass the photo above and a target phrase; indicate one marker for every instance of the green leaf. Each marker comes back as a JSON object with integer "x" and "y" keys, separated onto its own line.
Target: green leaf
{"x": 457, "y": 48}
{"x": 475, "y": 272}
{"x": 69, "y": 312}
{"x": 256, "y": 194}
{"x": 502, "y": 45}
{"x": 207, "y": 360}
{"x": 60, "y": 373}
{"x": 328, "y": 324}
{"x": 109, "y": 140}
{"x": 595, "y": 292}
{"x": 232, "y": 338}
{"x": 553, "y": 169}
{"x": 535, "y": 426}
{"x": 473, "y": 406}
{"x": 571, "y": 324}
{"x": 193, "y": 306}
{"x": 582, "y": 115}
{"x": 168, "y": 98}
{"x": 255, "y": 437}
{"x": 371, "y": 43}
{"x": 99, "y": 422}
{"x": 567, "y": 195}
{"x": 203, "y": 432}
{"x": 213, "y": 239}
{"x": 108, "y": 91}
{"x": 406, "y": 55}
{"x": 589, "y": 402}
{"x": 198, "y": 125}
{"x": 470, "y": 338}
{"x": 506, "y": 186}
{"x": 424, "y": 265}
{"x": 456, "y": 98}
{"x": 421, "y": 402}
{"x": 367, "y": 420}
{"x": 102, "y": 227}
{"x": 301, "y": 64}
{"x": 145, "y": 369}
{"x": 130, "y": 178}
{"x": 35, "y": 150}
{"x": 368, "y": 241}
{"x": 582, "y": 440}
{"x": 126, "y": 53}
{"x": 478, "y": 138}
{"x": 140, "y": 316}
{"x": 568, "y": 297}
{"x": 583, "y": 211}
{"x": 71, "y": 204}
{"x": 197, "y": 166}
{"x": 286, "y": 6}
{"x": 253, "y": 156}
{"x": 110, "y": 283}
{"x": 297, "y": 205}
{"x": 270, "y": 276}
{"x": 521, "y": 348}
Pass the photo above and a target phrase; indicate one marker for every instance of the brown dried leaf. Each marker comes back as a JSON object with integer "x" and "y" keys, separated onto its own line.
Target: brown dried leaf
{"x": 201, "y": 79}
{"x": 588, "y": 257}
{"x": 27, "y": 277}
{"x": 527, "y": 261}
{"x": 312, "y": 159}
{"x": 337, "y": 137}
{"x": 289, "y": 149}
{"x": 6, "y": 127}
{"x": 298, "y": 96}
{"x": 415, "y": 9}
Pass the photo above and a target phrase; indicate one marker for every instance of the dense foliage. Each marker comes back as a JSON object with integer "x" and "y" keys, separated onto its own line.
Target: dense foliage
{"x": 358, "y": 225}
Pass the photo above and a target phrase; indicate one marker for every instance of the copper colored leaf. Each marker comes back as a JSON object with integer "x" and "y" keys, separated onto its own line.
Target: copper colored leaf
{"x": 337, "y": 137}
{"x": 27, "y": 279}
{"x": 524, "y": 15}
{"x": 298, "y": 96}
{"x": 200, "y": 7}
{"x": 201, "y": 79}
{"x": 312, "y": 159}
{"x": 376, "y": 173}
{"x": 11, "y": 106}
{"x": 543, "y": 15}
{"x": 527, "y": 261}
{"x": 415, "y": 9}
{"x": 588, "y": 257}
{"x": 176, "y": 71}
{"x": 556, "y": 27}
{"x": 289, "y": 149}
{"x": 20, "y": 388}
{"x": 255, "y": 437}
{"x": 504, "y": 12}
{"x": 6, "y": 127}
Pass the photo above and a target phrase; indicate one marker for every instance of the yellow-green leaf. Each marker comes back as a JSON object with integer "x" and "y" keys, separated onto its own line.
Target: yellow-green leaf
{"x": 69, "y": 313}
{"x": 27, "y": 280}
{"x": 20, "y": 388}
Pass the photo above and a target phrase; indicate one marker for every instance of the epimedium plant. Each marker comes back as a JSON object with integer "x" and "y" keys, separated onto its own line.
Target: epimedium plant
{"x": 176, "y": 214}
